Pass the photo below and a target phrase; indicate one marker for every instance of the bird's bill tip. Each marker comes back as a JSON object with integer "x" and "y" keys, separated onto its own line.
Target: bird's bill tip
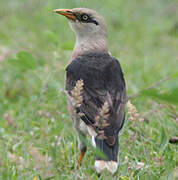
{"x": 66, "y": 12}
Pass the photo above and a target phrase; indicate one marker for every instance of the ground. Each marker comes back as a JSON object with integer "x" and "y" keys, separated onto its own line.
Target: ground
{"x": 37, "y": 138}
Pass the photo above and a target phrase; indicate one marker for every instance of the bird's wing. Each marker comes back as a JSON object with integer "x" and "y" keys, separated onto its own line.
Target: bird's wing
{"x": 102, "y": 98}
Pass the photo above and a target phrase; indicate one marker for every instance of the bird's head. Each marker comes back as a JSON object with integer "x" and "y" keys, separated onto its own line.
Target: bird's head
{"x": 88, "y": 25}
{"x": 84, "y": 21}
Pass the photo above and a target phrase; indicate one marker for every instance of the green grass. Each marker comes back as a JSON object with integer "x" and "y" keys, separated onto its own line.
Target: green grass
{"x": 36, "y": 133}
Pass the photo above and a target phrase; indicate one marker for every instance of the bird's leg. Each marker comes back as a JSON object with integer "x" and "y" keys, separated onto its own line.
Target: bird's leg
{"x": 82, "y": 154}
{"x": 82, "y": 147}
{"x": 81, "y": 138}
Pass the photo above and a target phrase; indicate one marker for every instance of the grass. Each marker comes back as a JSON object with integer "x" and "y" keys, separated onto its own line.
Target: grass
{"x": 36, "y": 134}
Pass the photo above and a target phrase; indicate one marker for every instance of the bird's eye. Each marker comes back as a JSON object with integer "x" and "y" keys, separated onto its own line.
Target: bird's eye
{"x": 85, "y": 17}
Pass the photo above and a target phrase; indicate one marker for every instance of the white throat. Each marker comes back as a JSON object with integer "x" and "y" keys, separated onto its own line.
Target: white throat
{"x": 89, "y": 40}
{"x": 89, "y": 44}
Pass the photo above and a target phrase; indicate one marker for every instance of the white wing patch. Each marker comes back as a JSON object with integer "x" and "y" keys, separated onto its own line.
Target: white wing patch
{"x": 93, "y": 141}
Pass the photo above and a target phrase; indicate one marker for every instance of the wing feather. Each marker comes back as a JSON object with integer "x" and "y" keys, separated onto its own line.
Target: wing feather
{"x": 104, "y": 87}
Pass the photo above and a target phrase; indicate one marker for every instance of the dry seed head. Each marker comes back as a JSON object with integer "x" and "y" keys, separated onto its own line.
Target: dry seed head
{"x": 105, "y": 109}
{"x": 103, "y": 113}
{"x": 132, "y": 111}
{"x": 101, "y": 135}
{"x": 104, "y": 123}
{"x": 102, "y": 116}
{"x": 77, "y": 93}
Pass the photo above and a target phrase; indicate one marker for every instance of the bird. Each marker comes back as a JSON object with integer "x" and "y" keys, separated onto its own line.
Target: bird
{"x": 95, "y": 88}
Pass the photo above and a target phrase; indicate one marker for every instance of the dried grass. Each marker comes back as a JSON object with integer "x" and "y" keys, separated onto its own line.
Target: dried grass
{"x": 41, "y": 162}
{"x": 7, "y": 116}
{"x": 134, "y": 115}
{"x": 76, "y": 93}
{"x": 101, "y": 120}
{"x": 17, "y": 160}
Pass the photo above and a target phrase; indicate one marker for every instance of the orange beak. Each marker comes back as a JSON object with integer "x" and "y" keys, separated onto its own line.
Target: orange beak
{"x": 66, "y": 12}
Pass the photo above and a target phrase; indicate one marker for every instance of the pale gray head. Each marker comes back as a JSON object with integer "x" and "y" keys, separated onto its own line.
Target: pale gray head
{"x": 89, "y": 27}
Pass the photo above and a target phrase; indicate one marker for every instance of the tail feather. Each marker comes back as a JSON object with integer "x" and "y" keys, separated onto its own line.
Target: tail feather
{"x": 111, "y": 152}
{"x": 111, "y": 156}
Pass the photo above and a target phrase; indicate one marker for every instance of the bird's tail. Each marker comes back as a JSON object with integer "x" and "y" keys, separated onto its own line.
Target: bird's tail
{"x": 111, "y": 156}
